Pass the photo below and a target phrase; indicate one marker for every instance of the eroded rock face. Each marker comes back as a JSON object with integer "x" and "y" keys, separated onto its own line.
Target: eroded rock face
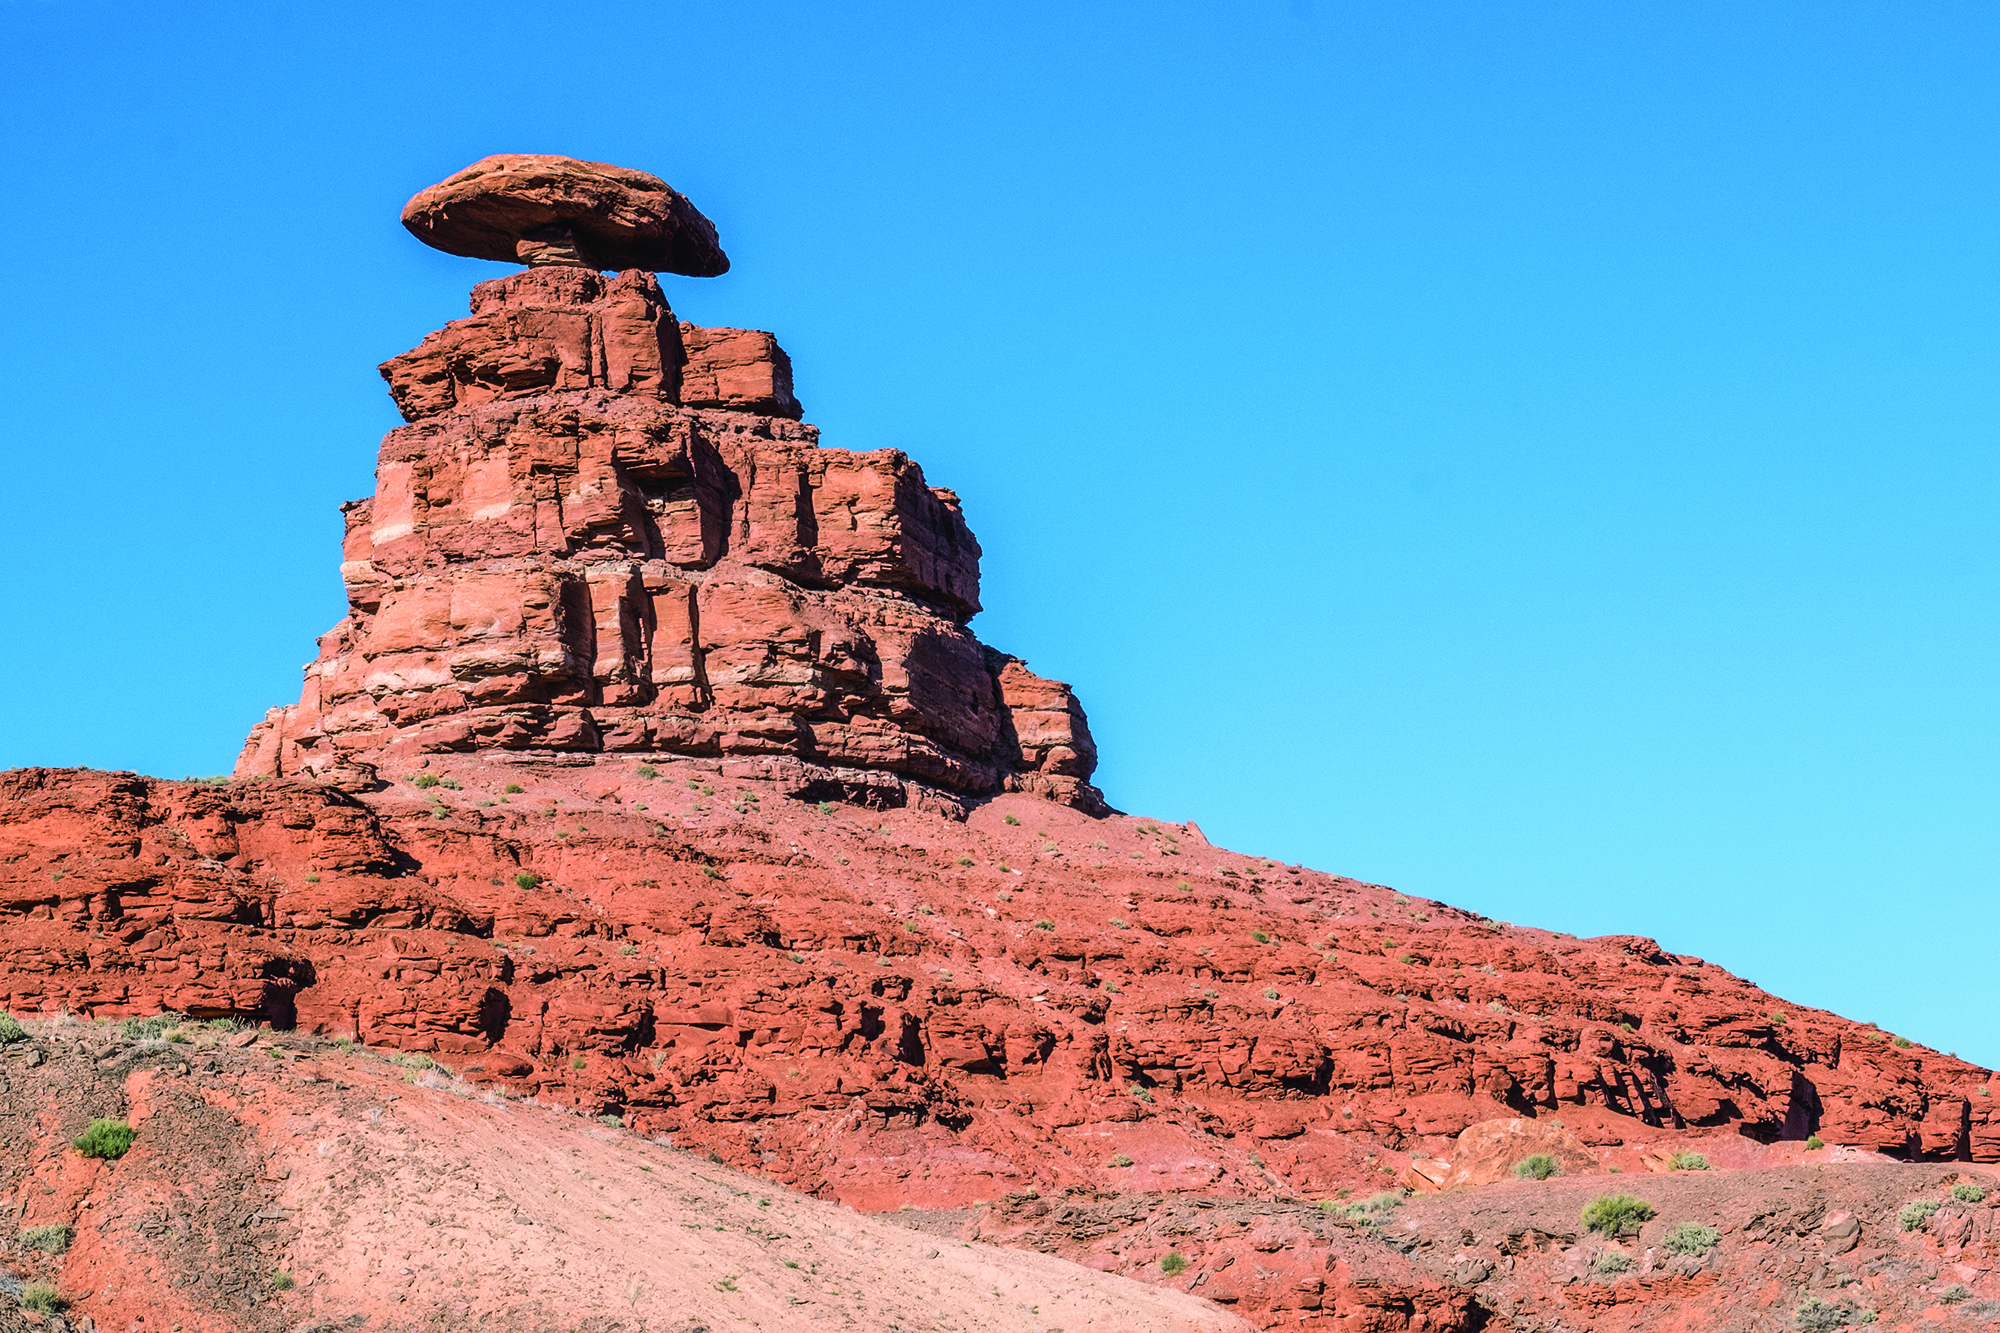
{"x": 897, "y": 1009}
{"x": 604, "y": 530}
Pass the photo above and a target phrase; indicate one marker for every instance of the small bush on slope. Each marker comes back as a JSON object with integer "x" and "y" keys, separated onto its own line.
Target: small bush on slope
{"x": 1615, "y": 1214}
{"x": 1916, "y": 1214}
{"x": 1692, "y": 1238}
{"x": 104, "y": 1138}
{"x": 1538, "y": 1167}
{"x": 49, "y": 1239}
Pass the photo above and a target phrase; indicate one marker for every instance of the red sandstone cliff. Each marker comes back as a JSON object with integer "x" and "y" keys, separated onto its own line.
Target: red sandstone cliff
{"x": 604, "y": 530}
{"x": 654, "y": 773}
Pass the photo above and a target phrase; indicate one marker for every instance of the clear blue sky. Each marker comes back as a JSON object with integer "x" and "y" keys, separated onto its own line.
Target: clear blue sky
{"x": 1538, "y": 456}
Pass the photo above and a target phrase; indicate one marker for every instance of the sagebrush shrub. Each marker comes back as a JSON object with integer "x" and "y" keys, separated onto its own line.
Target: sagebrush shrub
{"x": 1172, "y": 1262}
{"x": 1813, "y": 1315}
{"x": 11, "y": 1030}
{"x": 48, "y": 1239}
{"x": 1916, "y": 1214}
{"x": 105, "y": 1138}
{"x": 1539, "y": 1166}
{"x": 1613, "y": 1261}
{"x": 1692, "y": 1238}
{"x": 42, "y": 1298}
{"x": 149, "y": 1029}
{"x": 1615, "y": 1214}
{"x": 1688, "y": 1161}
{"x": 1967, "y": 1192}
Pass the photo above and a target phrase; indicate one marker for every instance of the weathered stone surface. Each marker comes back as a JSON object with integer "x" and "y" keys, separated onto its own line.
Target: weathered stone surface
{"x": 894, "y": 1007}
{"x": 655, "y": 773}
{"x": 535, "y": 208}
{"x": 606, "y": 530}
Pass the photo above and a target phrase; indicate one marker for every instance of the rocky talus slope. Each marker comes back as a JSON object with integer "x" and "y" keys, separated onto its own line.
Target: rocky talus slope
{"x": 655, "y": 776}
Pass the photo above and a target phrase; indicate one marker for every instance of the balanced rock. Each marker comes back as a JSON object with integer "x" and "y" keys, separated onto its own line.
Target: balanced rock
{"x": 542, "y": 209}
{"x": 604, "y": 530}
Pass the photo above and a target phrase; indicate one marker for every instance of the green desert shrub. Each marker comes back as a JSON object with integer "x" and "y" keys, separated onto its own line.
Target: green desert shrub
{"x": 106, "y": 1138}
{"x": 424, "y": 781}
{"x": 1953, "y": 1295}
{"x": 1916, "y": 1214}
{"x": 1120, "y": 1159}
{"x": 1688, "y": 1161}
{"x": 1540, "y": 1166}
{"x": 1370, "y": 1212}
{"x": 1813, "y": 1315}
{"x": 1612, "y": 1261}
{"x": 42, "y": 1298}
{"x": 1692, "y": 1238}
{"x": 524, "y": 880}
{"x": 151, "y": 1029}
{"x": 11, "y": 1030}
{"x": 281, "y": 1279}
{"x": 1967, "y": 1192}
{"x": 1814, "y": 1143}
{"x": 512, "y": 789}
{"x": 50, "y": 1239}
{"x": 1172, "y": 1262}
{"x": 1616, "y": 1214}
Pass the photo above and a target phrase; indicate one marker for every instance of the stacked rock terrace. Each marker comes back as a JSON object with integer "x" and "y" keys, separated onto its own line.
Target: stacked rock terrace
{"x": 606, "y": 530}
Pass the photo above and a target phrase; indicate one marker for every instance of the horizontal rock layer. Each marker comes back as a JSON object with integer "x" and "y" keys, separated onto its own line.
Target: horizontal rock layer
{"x": 902, "y": 1008}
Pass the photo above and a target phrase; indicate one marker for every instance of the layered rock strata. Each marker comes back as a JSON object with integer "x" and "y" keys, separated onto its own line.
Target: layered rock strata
{"x": 898, "y": 1009}
{"x": 604, "y": 530}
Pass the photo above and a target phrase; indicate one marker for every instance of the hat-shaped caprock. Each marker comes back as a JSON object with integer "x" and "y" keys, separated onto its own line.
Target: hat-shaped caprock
{"x": 532, "y": 208}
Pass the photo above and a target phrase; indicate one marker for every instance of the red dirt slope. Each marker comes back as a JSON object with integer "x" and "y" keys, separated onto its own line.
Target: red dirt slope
{"x": 281, "y": 1184}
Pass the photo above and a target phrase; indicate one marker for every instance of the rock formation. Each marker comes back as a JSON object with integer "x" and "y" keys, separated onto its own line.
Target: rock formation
{"x": 655, "y": 775}
{"x": 604, "y": 530}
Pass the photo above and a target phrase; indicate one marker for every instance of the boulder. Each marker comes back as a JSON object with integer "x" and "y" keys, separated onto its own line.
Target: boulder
{"x": 535, "y": 208}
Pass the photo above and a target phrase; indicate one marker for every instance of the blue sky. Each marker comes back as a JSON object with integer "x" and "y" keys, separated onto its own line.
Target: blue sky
{"x": 1540, "y": 457}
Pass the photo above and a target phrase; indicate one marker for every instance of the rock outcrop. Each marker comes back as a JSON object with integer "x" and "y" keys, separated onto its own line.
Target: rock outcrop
{"x": 655, "y": 774}
{"x": 604, "y": 530}
{"x": 901, "y": 1009}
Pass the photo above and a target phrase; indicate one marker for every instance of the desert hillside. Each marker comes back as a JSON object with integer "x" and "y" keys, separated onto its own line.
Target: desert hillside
{"x": 653, "y": 835}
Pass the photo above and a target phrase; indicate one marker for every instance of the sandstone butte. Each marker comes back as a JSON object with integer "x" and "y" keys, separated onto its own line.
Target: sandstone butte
{"x": 655, "y": 776}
